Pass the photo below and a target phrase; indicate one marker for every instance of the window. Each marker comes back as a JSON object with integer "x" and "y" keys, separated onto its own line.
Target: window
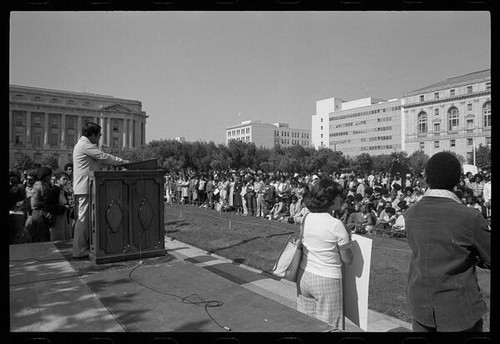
{"x": 470, "y": 141}
{"x": 19, "y": 118}
{"x": 71, "y": 122}
{"x": 321, "y": 127}
{"x": 19, "y": 136}
{"x": 54, "y": 120}
{"x": 469, "y": 89}
{"x": 436, "y": 95}
{"x": 54, "y": 138}
{"x": 116, "y": 142}
{"x": 321, "y": 120}
{"x": 469, "y": 124}
{"x": 487, "y": 114}
{"x": 488, "y": 86}
{"x": 452, "y": 143}
{"x": 115, "y": 125}
{"x": 422, "y": 145}
{"x": 436, "y": 144}
{"x": 437, "y": 128}
{"x": 469, "y": 107}
{"x": 453, "y": 119}
{"x": 452, "y": 93}
{"x": 422, "y": 123}
{"x": 436, "y": 112}
{"x": 422, "y": 98}
{"x": 488, "y": 141}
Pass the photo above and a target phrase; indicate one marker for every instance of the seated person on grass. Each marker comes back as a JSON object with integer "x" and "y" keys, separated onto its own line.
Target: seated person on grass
{"x": 398, "y": 228}
{"x": 294, "y": 208}
{"x": 385, "y": 221}
{"x": 277, "y": 209}
{"x": 362, "y": 221}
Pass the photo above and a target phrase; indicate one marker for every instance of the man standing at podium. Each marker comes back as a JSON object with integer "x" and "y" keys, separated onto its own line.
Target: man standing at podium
{"x": 87, "y": 157}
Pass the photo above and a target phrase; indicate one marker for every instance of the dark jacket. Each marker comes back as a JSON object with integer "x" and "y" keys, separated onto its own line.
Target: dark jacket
{"x": 446, "y": 239}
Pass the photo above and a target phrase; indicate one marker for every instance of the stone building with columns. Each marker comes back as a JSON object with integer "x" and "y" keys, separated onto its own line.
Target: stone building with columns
{"x": 453, "y": 114}
{"x": 45, "y": 122}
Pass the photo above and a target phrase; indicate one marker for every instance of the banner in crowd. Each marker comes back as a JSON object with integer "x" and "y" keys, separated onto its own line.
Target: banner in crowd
{"x": 356, "y": 282}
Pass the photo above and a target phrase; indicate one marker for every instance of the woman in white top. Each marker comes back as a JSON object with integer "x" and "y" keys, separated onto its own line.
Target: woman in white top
{"x": 326, "y": 246}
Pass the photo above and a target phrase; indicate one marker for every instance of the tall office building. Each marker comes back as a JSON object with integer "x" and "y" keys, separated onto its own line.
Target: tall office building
{"x": 367, "y": 125}
{"x": 453, "y": 114}
{"x": 268, "y": 135}
{"x": 45, "y": 122}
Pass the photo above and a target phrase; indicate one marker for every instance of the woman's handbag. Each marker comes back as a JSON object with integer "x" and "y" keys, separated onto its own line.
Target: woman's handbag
{"x": 287, "y": 264}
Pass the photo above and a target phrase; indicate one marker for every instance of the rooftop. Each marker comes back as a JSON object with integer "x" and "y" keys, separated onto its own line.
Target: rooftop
{"x": 455, "y": 81}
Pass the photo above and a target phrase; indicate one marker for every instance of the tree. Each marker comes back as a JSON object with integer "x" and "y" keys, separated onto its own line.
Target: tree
{"x": 417, "y": 161}
{"x": 52, "y": 162}
{"x": 483, "y": 157}
{"x": 23, "y": 162}
{"x": 364, "y": 163}
{"x": 458, "y": 156}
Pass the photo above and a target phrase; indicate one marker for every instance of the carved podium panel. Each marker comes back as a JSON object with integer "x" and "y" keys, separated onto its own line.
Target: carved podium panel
{"x": 126, "y": 212}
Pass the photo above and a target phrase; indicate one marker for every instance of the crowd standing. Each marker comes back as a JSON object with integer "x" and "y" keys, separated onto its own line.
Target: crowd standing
{"x": 373, "y": 203}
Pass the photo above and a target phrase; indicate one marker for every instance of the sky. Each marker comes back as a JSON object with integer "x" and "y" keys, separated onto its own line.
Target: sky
{"x": 197, "y": 73}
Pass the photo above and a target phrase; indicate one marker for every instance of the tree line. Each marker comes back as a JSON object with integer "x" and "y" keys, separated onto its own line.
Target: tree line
{"x": 175, "y": 156}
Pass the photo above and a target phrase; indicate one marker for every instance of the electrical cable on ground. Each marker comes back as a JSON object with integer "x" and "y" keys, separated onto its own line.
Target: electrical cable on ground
{"x": 193, "y": 299}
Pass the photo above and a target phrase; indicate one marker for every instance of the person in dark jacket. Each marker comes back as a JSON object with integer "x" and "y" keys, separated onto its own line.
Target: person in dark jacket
{"x": 447, "y": 240}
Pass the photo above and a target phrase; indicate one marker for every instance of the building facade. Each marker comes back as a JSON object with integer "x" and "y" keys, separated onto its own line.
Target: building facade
{"x": 454, "y": 115}
{"x": 45, "y": 122}
{"x": 268, "y": 135}
{"x": 367, "y": 125}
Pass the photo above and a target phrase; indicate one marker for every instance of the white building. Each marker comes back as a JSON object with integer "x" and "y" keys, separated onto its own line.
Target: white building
{"x": 454, "y": 114}
{"x": 367, "y": 125}
{"x": 268, "y": 135}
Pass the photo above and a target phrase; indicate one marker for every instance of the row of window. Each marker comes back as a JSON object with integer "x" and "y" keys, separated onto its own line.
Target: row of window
{"x": 364, "y": 113}
{"x": 453, "y": 120}
{"x": 453, "y": 143}
{"x": 235, "y": 132}
{"x": 452, "y": 92}
{"x": 369, "y": 148}
{"x": 50, "y": 100}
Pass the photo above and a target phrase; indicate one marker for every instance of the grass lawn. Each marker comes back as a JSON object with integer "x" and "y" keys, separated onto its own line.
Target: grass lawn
{"x": 256, "y": 242}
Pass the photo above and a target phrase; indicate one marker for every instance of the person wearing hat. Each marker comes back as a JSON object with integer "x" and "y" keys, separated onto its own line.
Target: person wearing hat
{"x": 87, "y": 157}
{"x": 447, "y": 240}
{"x": 398, "y": 228}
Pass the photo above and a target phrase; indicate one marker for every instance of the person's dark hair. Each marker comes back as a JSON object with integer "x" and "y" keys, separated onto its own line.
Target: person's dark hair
{"x": 91, "y": 128}
{"x": 59, "y": 175}
{"x": 322, "y": 195}
{"x": 443, "y": 171}
{"x": 294, "y": 198}
{"x": 390, "y": 211}
{"x": 68, "y": 164}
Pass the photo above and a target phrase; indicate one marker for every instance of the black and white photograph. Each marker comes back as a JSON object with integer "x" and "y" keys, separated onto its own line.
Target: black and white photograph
{"x": 229, "y": 172}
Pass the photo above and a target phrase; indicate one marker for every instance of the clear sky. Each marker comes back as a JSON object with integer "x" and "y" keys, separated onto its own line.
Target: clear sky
{"x": 197, "y": 73}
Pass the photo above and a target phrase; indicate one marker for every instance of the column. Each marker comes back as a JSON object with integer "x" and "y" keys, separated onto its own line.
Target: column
{"x": 78, "y": 127}
{"x": 63, "y": 130}
{"x": 124, "y": 135}
{"x": 129, "y": 133}
{"x": 133, "y": 134}
{"x": 108, "y": 130}
{"x": 28, "y": 128}
{"x": 45, "y": 129}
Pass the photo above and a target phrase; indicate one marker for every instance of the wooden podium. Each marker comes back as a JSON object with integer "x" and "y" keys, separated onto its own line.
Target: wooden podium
{"x": 126, "y": 215}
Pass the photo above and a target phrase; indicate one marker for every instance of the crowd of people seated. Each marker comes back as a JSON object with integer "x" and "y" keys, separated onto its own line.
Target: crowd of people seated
{"x": 374, "y": 203}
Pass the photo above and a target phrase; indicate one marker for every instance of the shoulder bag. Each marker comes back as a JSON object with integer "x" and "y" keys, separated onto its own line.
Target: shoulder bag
{"x": 288, "y": 262}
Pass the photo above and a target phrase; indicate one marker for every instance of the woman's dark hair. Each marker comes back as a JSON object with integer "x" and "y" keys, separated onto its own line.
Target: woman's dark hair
{"x": 91, "y": 128}
{"x": 59, "y": 175}
{"x": 322, "y": 195}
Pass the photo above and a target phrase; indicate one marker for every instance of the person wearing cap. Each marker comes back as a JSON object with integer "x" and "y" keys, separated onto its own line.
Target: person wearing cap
{"x": 87, "y": 157}
{"x": 17, "y": 191}
{"x": 447, "y": 240}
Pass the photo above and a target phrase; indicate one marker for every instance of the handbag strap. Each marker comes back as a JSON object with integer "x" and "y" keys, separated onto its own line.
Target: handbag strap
{"x": 301, "y": 233}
